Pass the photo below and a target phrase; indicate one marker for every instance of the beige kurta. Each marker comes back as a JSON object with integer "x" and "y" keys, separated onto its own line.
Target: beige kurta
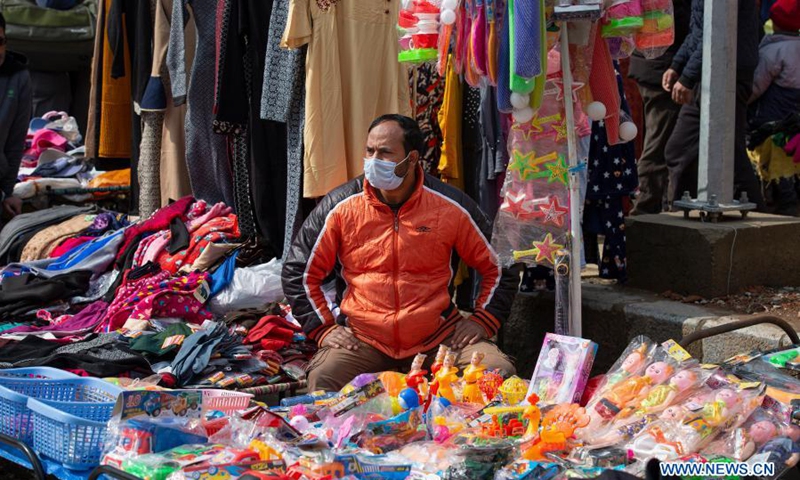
{"x": 352, "y": 77}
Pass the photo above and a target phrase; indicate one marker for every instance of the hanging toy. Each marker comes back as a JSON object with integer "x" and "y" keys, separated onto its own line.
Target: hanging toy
{"x": 489, "y": 385}
{"x": 658, "y": 31}
{"x": 627, "y": 131}
{"x": 478, "y": 39}
{"x": 596, "y": 111}
{"x": 448, "y": 12}
{"x": 623, "y": 18}
{"x": 419, "y": 33}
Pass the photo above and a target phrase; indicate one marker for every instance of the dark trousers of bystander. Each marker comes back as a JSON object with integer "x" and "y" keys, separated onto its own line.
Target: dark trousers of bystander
{"x": 683, "y": 149}
{"x": 660, "y": 117}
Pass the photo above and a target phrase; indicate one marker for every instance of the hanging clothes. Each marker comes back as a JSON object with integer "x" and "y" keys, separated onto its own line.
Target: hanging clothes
{"x": 428, "y": 92}
{"x": 352, "y": 77}
{"x": 283, "y": 100}
{"x": 612, "y": 180}
{"x": 109, "y": 128}
{"x": 162, "y": 157}
{"x": 206, "y": 153}
{"x": 450, "y": 118}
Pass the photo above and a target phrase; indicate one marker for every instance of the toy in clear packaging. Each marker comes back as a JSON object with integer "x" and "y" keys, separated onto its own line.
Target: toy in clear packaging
{"x": 687, "y": 428}
{"x": 658, "y": 29}
{"x": 472, "y": 375}
{"x": 489, "y": 385}
{"x": 783, "y": 451}
{"x": 622, "y": 18}
{"x": 139, "y": 436}
{"x": 562, "y": 369}
{"x": 446, "y": 377}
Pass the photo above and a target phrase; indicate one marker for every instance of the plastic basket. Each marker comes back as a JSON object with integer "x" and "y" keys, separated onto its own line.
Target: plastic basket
{"x": 16, "y": 386}
{"x": 71, "y": 433}
{"x": 225, "y": 401}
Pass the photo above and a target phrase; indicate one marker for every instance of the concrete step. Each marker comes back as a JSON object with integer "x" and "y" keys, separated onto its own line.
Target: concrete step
{"x": 613, "y": 315}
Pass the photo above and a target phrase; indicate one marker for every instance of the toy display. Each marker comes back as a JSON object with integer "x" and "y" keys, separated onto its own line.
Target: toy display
{"x": 446, "y": 377}
{"x": 562, "y": 370}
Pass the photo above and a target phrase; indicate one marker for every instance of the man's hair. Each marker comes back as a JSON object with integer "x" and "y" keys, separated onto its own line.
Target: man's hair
{"x": 412, "y": 135}
{"x": 2, "y": 21}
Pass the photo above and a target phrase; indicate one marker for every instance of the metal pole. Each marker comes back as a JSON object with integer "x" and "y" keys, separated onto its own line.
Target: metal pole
{"x": 576, "y": 234}
{"x": 718, "y": 101}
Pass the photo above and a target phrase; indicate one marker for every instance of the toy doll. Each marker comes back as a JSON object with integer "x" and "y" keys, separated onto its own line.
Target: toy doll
{"x": 552, "y": 374}
{"x": 632, "y": 365}
{"x": 783, "y": 451}
{"x": 625, "y": 393}
{"x": 416, "y": 376}
{"x": 663, "y": 396}
{"x": 446, "y": 377}
{"x": 437, "y": 365}
{"x": 473, "y": 374}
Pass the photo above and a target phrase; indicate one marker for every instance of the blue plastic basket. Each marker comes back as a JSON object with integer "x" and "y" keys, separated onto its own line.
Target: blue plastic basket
{"x": 72, "y": 434}
{"x": 72, "y": 430}
{"x": 16, "y": 386}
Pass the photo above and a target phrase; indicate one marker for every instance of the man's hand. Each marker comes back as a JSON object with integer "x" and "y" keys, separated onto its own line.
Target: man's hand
{"x": 668, "y": 79}
{"x": 12, "y": 206}
{"x": 680, "y": 94}
{"x": 466, "y": 333}
{"x": 341, "y": 337}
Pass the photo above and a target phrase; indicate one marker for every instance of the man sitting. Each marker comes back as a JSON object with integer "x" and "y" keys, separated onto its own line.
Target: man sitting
{"x": 394, "y": 237}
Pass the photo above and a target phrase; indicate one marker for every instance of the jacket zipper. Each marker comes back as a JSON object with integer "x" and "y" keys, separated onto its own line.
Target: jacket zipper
{"x": 396, "y": 273}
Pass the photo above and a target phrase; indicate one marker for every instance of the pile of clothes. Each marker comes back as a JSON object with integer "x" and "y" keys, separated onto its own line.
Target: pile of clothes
{"x": 180, "y": 294}
{"x": 54, "y": 159}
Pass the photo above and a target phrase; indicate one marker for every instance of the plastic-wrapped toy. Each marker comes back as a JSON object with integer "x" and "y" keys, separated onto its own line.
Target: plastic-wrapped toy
{"x": 783, "y": 451}
{"x": 695, "y": 423}
{"x": 558, "y": 427}
{"x": 437, "y": 365}
{"x": 626, "y": 393}
{"x": 489, "y": 385}
{"x": 623, "y": 17}
{"x": 562, "y": 369}
{"x": 658, "y": 30}
{"x": 446, "y": 377}
{"x": 472, "y": 375}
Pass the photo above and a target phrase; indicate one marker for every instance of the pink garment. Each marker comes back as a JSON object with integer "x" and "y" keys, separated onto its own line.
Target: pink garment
{"x": 159, "y": 296}
{"x": 793, "y": 148}
{"x": 198, "y": 217}
{"x": 159, "y": 221}
{"x": 69, "y": 244}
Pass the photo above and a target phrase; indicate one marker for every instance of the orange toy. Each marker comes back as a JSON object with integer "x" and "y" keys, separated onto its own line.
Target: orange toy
{"x": 437, "y": 365}
{"x": 473, "y": 374}
{"x": 558, "y": 427}
{"x": 533, "y": 415}
{"x": 446, "y": 377}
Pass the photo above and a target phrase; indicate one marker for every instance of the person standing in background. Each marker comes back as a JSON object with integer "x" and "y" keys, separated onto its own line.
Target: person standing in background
{"x": 15, "y": 114}
{"x": 682, "y": 80}
{"x": 660, "y": 116}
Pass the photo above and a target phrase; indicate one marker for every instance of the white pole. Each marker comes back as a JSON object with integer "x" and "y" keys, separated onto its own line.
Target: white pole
{"x": 576, "y": 235}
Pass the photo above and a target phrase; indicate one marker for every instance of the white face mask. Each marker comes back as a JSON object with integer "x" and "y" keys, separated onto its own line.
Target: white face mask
{"x": 380, "y": 173}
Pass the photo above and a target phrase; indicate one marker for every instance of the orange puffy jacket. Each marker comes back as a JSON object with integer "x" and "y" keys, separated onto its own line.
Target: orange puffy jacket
{"x": 395, "y": 269}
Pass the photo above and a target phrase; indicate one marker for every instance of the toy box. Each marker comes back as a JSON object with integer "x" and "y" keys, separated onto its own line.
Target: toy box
{"x": 562, "y": 370}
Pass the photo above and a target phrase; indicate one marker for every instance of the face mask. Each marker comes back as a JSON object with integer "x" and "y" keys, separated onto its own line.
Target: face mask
{"x": 380, "y": 173}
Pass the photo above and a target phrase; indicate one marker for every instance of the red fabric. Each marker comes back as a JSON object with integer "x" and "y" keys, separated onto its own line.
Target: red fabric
{"x": 272, "y": 327}
{"x": 159, "y": 221}
{"x": 635, "y": 103}
{"x": 218, "y": 230}
{"x": 603, "y": 83}
{"x": 68, "y": 245}
{"x": 785, "y": 15}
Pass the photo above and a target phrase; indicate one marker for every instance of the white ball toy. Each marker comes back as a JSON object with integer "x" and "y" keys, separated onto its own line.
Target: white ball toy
{"x": 596, "y": 111}
{"x": 523, "y": 115}
{"x": 449, "y": 4}
{"x": 627, "y": 131}
{"x": 448, "y": 17}
{"x": 520, "y": 100}
{"x": 300, "y": 423}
